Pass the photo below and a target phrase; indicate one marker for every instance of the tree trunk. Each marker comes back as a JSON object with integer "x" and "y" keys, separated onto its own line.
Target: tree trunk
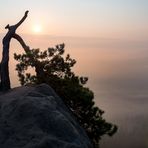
{"x": 5, "y": 80}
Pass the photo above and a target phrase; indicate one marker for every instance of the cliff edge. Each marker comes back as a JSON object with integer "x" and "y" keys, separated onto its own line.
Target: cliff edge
{"x": 35, "y": 117}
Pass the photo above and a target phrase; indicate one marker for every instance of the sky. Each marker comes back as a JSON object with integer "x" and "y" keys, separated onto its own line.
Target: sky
{"x": 93, "y": 18}
{"x": 118, "y": 27}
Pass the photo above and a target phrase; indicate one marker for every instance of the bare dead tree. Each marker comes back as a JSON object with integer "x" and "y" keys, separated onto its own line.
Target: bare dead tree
{"x": 4, "y": 67}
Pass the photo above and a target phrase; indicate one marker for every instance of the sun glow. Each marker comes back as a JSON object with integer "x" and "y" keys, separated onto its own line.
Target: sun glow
{"x": 37, "y": 28}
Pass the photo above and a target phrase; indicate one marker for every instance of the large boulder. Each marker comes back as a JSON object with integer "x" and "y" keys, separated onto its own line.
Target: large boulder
{"x": 35, "y": 117}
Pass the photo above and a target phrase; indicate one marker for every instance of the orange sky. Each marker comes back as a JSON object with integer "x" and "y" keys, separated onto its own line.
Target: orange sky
{"x": 108, "y": 19}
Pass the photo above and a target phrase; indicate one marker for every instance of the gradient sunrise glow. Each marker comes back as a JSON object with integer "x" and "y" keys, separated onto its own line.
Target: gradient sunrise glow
{"x": 107, "y": 18}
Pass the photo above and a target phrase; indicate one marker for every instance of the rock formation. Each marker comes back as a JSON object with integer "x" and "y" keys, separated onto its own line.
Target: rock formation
{"x": 35, "y": 117}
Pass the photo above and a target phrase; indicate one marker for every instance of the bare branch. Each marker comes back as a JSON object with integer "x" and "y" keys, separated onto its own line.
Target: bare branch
{"x": 22, "y": 20}
{"x": 21, "y": 41}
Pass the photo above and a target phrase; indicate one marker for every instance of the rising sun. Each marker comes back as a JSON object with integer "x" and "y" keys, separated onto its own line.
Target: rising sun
{"x": 37, "y": 28}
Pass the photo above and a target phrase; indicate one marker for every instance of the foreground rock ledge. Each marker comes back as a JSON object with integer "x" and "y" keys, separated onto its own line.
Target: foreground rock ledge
{"x": 35, "y": 117}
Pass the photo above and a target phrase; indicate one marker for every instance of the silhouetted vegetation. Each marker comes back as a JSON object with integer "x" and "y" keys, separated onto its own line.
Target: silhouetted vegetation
{"x": 53, "y": 68}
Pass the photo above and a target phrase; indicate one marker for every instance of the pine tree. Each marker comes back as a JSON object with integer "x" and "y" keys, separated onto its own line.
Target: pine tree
{"x": 52, "y": 68}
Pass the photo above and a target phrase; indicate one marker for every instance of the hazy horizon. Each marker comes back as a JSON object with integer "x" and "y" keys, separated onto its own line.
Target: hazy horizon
{"x": 118, "y": 75}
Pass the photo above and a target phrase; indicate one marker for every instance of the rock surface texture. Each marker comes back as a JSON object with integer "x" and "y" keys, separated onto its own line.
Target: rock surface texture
{"x": 35, "y": 117}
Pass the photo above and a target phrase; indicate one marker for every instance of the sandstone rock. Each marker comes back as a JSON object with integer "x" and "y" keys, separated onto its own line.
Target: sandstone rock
{"x": 35, "y": 117}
